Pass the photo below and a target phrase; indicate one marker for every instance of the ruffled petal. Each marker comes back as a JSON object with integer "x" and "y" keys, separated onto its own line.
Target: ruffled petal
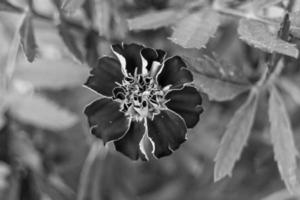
{"x": 105, "y": 75}
{"x": 187, "y": 103}
{"x": 106, "y": 120}
{"x": 174, "y": 73}
{"x": 152, "y": 55}
{"x": 129, "y": 56}
{"x": 129, "y": 145}
{"x": 166, "y": 131}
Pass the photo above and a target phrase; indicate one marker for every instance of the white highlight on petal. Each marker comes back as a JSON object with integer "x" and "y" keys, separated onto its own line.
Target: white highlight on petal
{"x": 144, "y": 65}
{"x": 155, "y": 68}
{"x": 122, "y": 61}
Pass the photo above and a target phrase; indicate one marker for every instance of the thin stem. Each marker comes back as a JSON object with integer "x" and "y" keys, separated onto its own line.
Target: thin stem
{"x": 86, "y": 170}
{"x": 277, "y": 71}
{"x": 241, "y": 14}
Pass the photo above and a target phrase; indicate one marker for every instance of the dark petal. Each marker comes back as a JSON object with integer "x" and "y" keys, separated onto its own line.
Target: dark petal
{"x": 129, "y": 144}
{"x": 167, "y": 131}
{"x": 187, "y": 103}
{"x": 132, "y": 55}
{"x": 151, "y": 55}
{"x": 105, "y": 75}
{"x": 105, "y": 119}
{"x": 174, "y": 72}
{"x": 161, "y": 54}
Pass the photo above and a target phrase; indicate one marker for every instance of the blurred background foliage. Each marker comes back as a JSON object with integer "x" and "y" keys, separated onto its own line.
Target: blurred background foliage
{"x": 46, "y": 150}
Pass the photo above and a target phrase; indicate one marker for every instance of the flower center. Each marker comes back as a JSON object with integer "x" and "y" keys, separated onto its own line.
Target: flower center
{"x": 140, "y": 97}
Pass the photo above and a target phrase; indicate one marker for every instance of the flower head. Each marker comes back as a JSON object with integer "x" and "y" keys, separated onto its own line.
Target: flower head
{"x": 146, "y": 98}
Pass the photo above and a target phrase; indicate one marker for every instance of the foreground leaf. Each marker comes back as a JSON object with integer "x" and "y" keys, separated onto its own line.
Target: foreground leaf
{"x": 235, "y": 137}
{"x": 283, "y": 141}
{"x": 6, "y": 6}
{"x": 69, "y": 40}
{"x": 41, "y": 112}
{"x": 257, "y": 34}
{"x": 28, "y": 39}
{"x": 155, "y": 20}
{"x": 219, "y": 80}
{"x": 195, "y": 30}
{"x": 52, "y": 74}
{"x": 72, "y": 5}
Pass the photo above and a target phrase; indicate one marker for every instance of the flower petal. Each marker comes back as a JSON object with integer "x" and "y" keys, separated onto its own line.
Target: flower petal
{"x": 131, "y": 54}
{"x": 129, "y": 145}
{"x": 105, "y": 75}
{"x": 152, "y": 55}
{"x": 106, "y": 119}
{"x": 167, "y": 131}
{"x": 187, "y": 103}
{"x": 174, "y": 73}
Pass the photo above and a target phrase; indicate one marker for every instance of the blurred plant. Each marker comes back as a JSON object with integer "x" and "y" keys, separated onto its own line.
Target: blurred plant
{"x": 262, "y": 80}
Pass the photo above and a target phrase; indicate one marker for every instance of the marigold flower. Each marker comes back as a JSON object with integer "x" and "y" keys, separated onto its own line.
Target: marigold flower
{"x": 146, "y": 98}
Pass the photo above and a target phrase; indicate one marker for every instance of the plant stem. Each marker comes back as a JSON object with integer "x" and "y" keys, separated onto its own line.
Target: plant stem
{"x": 241, "y": 14}
{"x": 86, "y": 170}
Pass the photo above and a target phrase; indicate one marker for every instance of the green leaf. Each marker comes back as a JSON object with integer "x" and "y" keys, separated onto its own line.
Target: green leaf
{"x": 290, "y": 88}
{"x": 69, "y": 40}
{"x": 258, "y": 34}
{"x": 154, "y": 20}
{"x": 72, "y": 5}
{"x": 41, "y": 112}
{"x": 235, "y": 137}
{"x": 295, "y": 23}
{"x": 283, "y": 194}
{"x": 195, "y": 30}
{"x": 28, "y": 39}
{"x": 260, "y": 4}
{"x": 52, "y": 74}
{"x": 103, "y": 18}
{"x": 91, "y": 45}
{"x": 283, "y": 141}
{"x": 25, "y": 152}
{"x": 3, "y": 107}
{"x": 6, "y": 6}
{"x": 219, "y": 80}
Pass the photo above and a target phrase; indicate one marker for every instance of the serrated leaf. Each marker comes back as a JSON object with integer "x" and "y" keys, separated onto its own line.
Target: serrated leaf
{"x": 154, "y": 20}
{"x": 41, "y": 112}
{"x": 52, "y": 74}
{"x": 258, "y": 34}
{"x": 195, "y": 30}
{"x": 69, "y": 40}
{"x": 6, "y": 6}
{"x": 235, "y": 137}
{"x": 72, "y": 5}
{"x": 283, "y": 140}
{"x": 219, "y": 80}
{"x": 28, "y": 39}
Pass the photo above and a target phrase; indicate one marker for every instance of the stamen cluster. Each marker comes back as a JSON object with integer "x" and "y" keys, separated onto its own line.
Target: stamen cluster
{"x": 140, "y": 97}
